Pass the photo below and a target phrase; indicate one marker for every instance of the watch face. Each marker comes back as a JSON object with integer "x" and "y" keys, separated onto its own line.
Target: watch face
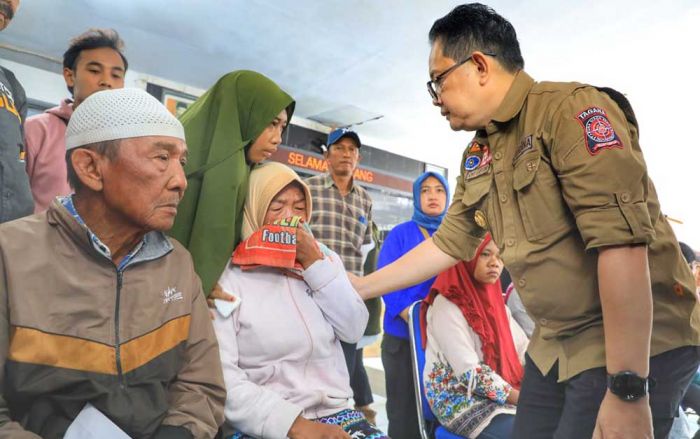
{"x": 628, "y": 386}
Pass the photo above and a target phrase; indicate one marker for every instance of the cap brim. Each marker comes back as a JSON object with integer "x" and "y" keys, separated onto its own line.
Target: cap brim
{"x": 350, "y": 134}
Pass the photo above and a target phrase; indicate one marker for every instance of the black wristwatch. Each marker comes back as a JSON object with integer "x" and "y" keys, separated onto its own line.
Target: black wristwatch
{"x": 629, "y": 386}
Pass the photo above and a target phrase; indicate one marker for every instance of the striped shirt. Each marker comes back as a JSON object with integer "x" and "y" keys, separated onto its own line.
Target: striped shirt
{"x": 341, "y": 223}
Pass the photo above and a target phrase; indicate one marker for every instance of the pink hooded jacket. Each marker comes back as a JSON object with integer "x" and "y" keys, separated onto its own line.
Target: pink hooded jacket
{"x": 45, "y": 136}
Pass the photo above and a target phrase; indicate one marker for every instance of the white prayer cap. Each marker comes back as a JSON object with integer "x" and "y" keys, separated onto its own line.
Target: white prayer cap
{"x": 120, "y": 114}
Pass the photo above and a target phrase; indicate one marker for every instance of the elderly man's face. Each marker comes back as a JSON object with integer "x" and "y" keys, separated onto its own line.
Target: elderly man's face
{"x": 143, "y": 185}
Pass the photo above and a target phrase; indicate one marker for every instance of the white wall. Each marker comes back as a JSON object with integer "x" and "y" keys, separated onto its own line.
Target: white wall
{"x": 49, "y": 87}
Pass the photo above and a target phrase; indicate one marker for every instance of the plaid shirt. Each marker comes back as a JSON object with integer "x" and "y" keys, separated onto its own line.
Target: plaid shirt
{"x": 340, "y": 222}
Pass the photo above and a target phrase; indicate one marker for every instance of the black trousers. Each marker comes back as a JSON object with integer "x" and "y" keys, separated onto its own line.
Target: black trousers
{"x": 359, "y": 382}
{"x": 568, "y": 410}
{"x": 400, "y": 394}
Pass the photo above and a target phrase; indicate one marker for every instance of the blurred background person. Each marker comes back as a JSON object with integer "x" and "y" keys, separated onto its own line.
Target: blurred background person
{"x": 94, "y": 61}
{"x": 430, "y": 195}
{"x": 17, "y": 196}
{"x": 342, "y": 220}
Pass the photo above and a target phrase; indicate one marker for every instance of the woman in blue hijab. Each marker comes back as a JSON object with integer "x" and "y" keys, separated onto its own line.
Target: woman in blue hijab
{"x": 430, "y": 195}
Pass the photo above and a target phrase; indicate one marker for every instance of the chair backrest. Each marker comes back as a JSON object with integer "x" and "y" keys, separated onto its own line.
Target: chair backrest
{"x": 425, "y": 415}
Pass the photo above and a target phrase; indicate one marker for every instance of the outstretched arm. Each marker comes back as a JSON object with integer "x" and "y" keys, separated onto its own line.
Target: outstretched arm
{"x": 423, "y": 262}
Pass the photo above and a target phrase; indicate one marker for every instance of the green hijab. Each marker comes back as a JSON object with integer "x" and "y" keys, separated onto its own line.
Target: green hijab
{"x": 218, "y": 127}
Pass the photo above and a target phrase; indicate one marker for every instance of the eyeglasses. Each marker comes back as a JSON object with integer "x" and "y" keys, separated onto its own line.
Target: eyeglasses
{"x": 435, "y": 85}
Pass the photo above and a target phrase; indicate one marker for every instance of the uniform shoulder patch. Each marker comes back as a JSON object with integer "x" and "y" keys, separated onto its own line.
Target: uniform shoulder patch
{"x": 598, "y": 132}
{"x": 477, "y": 160}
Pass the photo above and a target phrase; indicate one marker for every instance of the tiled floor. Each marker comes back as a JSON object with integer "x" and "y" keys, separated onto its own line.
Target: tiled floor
{"x": 375, "y": 372}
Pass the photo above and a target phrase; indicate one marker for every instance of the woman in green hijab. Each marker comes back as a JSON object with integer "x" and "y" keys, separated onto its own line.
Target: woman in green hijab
{"x": 233, "y": 126}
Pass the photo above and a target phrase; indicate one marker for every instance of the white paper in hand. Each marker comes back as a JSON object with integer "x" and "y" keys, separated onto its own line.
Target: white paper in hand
{"x": 93, "y": 424}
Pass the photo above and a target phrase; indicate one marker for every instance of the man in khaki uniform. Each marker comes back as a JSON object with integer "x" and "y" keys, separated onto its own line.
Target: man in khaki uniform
{"x": 556, "y": 174}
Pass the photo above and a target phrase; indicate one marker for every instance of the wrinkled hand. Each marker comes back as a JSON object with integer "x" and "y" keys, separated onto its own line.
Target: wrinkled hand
{"x": 308, "y": 251}
{"x": 618, "y": 419}
{"x": 305, "y": 429}
{"x": 218, "y": 293}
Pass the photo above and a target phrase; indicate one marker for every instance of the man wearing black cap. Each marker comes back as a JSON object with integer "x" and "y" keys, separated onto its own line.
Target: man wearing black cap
{"x": 341, "y": 220}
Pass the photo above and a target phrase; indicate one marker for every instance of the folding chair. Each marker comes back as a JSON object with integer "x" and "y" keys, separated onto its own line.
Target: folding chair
{"x": 426, "y": 419}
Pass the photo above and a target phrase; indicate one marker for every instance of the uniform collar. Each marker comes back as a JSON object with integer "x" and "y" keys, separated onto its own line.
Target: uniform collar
{"x": 515, "y": 98}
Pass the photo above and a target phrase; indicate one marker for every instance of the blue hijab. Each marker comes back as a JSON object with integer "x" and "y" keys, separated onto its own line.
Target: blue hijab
{"x": 429, "y": 222}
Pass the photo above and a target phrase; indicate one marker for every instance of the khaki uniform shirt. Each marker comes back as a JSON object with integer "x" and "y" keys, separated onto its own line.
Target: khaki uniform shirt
{"x": 555, "y": 175}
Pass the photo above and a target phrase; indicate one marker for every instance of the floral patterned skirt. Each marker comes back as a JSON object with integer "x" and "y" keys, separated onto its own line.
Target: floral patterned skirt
{"x": 351, "y": 421}
{"x": 462, "y": 410}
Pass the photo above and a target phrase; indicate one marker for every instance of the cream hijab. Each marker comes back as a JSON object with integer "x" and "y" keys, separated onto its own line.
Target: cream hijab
{"x": 266, "y": 181}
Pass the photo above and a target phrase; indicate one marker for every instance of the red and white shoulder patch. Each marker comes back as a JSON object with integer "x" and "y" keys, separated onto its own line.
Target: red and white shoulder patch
{"x": 598, "y": 132}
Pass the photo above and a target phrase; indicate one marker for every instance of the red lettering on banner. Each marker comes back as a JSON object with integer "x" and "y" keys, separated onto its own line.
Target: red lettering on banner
{"x": 315, "y": 163}
{"x": 364, "y": 175}
{"x": 301, "y": 160}
{"x": 295, "y": 159}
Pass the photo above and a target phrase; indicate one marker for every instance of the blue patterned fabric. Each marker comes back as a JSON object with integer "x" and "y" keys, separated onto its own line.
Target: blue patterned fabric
{"x": 351, "y": 421}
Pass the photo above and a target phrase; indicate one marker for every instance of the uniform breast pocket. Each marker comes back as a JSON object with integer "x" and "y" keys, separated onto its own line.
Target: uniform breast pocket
{"x": 542, "y": 208}
{"x": 476, "y": 198}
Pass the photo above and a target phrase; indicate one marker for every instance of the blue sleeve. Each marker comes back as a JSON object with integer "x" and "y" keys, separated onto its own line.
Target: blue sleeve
{"x": 393, "y": 248}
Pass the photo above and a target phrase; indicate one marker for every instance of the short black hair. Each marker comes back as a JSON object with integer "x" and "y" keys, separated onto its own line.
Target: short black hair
{"x": 475, "y": 26}
{"x": 93, "y": 38}
{"x": 110, "y": 148}
{"x": 688, "y": 252}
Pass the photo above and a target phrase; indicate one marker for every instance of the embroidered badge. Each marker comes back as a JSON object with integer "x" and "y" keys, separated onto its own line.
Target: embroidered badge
{"x": 598, "y": 131}
{"x": 524, "y": 146}
{"x": 481, "y": 170}
{"x": 472, "y": 162}
{"x": 478, "y": 160}
{"x": 486, "y": 156}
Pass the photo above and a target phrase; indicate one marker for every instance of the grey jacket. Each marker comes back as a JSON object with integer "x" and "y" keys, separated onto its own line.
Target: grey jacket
{"x": 15, "y": 196}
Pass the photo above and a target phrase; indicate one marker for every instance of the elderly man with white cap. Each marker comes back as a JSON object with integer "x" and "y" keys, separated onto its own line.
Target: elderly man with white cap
{"x": 99, "y": 311}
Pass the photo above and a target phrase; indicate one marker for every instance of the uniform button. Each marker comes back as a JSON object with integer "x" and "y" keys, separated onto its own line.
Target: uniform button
{"x": 625, "y": 197}
{"x": 504, "y": 198}
{"x": 543, "y": 322}
{"x": 510, "y": 242}
{"x": 521, "y": 283}
{"x": 498, "y": 155}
